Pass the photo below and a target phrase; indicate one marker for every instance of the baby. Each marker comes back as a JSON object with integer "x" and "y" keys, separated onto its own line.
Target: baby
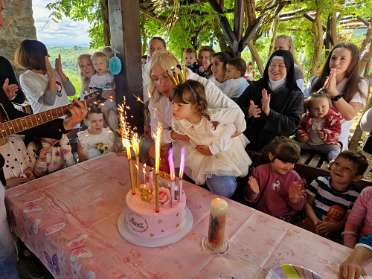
{"x": 320, "y": 128}
{"x": 103, "y": 80}
{"x": 96, "y": 140}
{"x": 235, "y": 81}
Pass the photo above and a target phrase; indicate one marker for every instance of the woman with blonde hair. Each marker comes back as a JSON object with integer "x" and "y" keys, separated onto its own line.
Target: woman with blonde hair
{"x": 162, "y": 87}
{"x": 86, "y": 72}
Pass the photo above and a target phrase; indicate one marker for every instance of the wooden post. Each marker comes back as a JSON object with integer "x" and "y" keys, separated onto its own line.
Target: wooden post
{"x": 238, "y": 25}
{"x": 125, "y": 38}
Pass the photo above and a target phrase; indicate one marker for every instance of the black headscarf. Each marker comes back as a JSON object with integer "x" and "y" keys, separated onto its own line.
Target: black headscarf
{"x": 289, "y": 64}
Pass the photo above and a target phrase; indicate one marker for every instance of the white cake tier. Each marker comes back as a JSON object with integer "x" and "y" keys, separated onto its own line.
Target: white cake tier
{"x": 142, "y": 220}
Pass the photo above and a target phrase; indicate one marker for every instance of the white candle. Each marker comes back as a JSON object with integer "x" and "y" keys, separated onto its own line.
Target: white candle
{"x": 217, "y": 222}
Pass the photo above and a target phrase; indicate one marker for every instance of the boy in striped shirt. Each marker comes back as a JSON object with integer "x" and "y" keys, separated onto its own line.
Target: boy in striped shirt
{"x": 331, "y": 198}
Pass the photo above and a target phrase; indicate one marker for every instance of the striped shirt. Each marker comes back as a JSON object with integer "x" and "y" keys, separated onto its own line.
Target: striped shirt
{"x": 326, "y": 196}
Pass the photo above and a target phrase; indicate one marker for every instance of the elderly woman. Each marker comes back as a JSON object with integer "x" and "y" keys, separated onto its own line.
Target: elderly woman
{"x": 272, "y": 105}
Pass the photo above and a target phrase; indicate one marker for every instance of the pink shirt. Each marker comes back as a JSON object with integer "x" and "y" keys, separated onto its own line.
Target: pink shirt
{"x": 273, "y": 198}
{"x": 359, "y": 222}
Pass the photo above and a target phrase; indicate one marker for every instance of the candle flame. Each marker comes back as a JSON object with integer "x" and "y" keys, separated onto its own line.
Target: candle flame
{"x": 182, "y": 162}
{"x": 135, "y": 144}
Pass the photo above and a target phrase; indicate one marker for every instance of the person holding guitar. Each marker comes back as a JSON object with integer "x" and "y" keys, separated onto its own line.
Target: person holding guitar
{"x": 53, "y": 129}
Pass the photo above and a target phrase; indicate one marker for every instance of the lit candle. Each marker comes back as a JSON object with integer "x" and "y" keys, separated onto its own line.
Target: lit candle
{"x": 159, "y": 132}
{"x": 130, "y": 164}
{"x": 135, "y": 145}
{"x": 172, "y": 175}
{"x": 182, "y": 167}
{"x": 217, "y": 222}
{"x": 144, "y": 173}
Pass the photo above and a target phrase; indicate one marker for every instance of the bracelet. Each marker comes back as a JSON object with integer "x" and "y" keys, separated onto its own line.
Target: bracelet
{"x": 336, "y": 98}
{"x": 349, "y": 232}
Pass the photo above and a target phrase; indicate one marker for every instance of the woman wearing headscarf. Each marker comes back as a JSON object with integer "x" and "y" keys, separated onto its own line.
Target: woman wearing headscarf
{"x": 272, "y": 105}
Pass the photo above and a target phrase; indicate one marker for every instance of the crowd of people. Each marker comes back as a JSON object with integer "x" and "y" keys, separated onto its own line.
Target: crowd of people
{"x": 221, "y": 112}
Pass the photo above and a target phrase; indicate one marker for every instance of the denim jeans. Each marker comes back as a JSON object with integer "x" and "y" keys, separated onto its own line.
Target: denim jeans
{"x": 8, "y": 259}
{"x": 222, "y": 185}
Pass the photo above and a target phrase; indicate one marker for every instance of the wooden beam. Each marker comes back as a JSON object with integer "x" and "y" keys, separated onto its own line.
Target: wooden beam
{"x": 125, "y": 38}
{"x": 238, "y": 24}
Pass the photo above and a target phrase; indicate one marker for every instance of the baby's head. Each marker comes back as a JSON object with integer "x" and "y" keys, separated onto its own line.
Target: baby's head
{"x": 283, "y": 153}
{"x": 188, "y": 100}
{"x": 99, "y": 60}
{"x": 94, "y": 121}
{"x": 189, "y": 56}
{"x": 235, "y": 68}
{"x": 348, "y": 167}
{"x": 318, "y": 105}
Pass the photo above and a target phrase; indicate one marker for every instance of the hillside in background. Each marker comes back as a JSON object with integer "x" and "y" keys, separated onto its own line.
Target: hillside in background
{"x": 69, "y": 57}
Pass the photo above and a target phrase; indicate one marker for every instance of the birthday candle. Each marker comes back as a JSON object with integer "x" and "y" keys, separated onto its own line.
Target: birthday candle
{"x": 172, "y": 174}
{"x": 135, "y": 144}
{"x": 182, "y": 167}
{"x": 159, "y": 132}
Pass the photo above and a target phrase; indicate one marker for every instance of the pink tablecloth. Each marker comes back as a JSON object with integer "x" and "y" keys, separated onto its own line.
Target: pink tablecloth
{"x": 68, "y": 219}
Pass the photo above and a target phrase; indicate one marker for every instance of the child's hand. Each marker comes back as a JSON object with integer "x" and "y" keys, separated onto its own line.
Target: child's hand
{"x": 10, "y": 89}
{"x": 253, "y": 188}
{"x": 215, "y": 124}
{"x": 204, "y": 149}
{"x": 303, "y": 137}
{"x": 179, "y": 137}
{"x": 265, "y": 101}
{"x": 324, "y": 228}
{"x": 43, "y": 154}
{"x": 15, "y": 181}
{"x": 29, "y": 173}
{"x": 253, "y": 110}
{"x": 236, "y": 134}
{"x": 296, "y": 192}
{"x": 322, "y": 135}
{"x": 351, "y": 268}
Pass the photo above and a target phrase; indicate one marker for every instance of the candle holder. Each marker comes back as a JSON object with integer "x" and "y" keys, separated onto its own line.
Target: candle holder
{"x": 215, "y": 241}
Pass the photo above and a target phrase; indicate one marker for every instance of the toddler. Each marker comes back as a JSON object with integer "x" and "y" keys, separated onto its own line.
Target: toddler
{"x": 51, "y": 155}
{"x": 235, "y": 81}
{"x": 215, "y": 152}
{"x": 189, "y": 57}
{"x": 321, "y": 126}
{"x": 330, "y": 198}
{"x": 96, "y": 140}
{"x": 103, "y": 80}
{"x": 275, "y": 187}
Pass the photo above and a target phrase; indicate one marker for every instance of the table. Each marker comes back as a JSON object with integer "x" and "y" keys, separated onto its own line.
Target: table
{"x": 68, "y": 219}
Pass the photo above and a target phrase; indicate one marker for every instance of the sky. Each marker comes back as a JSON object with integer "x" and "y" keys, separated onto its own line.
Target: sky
{"x": 63, "y": 33}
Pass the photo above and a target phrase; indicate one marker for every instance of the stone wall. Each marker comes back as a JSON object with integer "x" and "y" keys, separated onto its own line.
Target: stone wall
{"x": 18, "y": 25}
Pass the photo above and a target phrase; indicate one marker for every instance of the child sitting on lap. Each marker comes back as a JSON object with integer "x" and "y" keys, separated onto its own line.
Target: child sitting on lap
{"x": 96, "y": 140}
{"x": 215, "y": 152}
{"x": 51, "y": 155}
{"x": 359, "y": 222}
{"x": 321, "y": 127}
{"x": 275, "y": 187}
{"x": 235, "y": 81}
{"x": 331, "y": 197}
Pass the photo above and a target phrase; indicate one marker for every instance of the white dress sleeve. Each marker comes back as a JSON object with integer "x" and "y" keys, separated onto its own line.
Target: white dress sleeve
{"x": 366, "y": 121}
{"x": 32, "y": 87}
{"x": 223, "y": 143}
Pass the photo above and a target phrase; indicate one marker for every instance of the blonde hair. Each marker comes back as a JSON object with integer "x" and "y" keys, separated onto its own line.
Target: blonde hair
{"x": 99, "y": 54}
{"x": 290, "y": 43}
{"x": 108, "y": 51}
{"x": 84, "y": 80}
{"x": 166, "y": 61}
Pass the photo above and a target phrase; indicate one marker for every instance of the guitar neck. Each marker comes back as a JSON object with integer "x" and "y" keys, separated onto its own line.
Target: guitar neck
{"x": 21, "y": 124}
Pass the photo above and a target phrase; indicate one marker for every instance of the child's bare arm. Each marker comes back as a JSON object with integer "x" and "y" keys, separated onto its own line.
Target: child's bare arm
{"x": 310, "y": 213}
{"x": 82, "y": 155}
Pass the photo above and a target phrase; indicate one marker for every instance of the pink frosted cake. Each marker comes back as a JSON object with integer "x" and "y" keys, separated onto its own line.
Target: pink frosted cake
{"x": 143, "y": 221}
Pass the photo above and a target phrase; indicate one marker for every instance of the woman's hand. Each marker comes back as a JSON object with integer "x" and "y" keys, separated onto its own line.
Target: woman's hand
{"x": 331, "y": 83}
{"x": 78, "y": 112}
{"x": 10, "y": 89}
{"x": 204, "y": 149}
{"x": 253, "y": 110}
{"x": 179, "y": 137}
{"x": 58, "y": 65}
{"x": 265, "y": 101}
{"x": 49, "y": 70}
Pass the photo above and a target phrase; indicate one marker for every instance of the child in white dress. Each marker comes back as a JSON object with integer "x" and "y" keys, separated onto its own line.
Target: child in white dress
{"x": 96, "y": 140}
{"x": 51, "y": 155}
{"x": 215, "y": 152}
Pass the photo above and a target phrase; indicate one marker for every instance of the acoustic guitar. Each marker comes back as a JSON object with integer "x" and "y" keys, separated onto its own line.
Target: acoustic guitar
{"x": 15, "y": 126}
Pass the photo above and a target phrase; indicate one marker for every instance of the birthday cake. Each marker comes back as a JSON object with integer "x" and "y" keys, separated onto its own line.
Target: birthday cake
{"x": 142, "y": 225}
